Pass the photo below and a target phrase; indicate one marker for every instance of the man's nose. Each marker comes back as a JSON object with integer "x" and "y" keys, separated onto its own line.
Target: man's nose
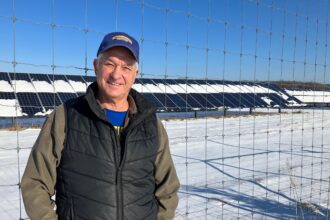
{"x": 116, "y": 73}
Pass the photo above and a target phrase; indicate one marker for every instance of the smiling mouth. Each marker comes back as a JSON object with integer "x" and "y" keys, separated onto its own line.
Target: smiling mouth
{"x": 114, "y": 84}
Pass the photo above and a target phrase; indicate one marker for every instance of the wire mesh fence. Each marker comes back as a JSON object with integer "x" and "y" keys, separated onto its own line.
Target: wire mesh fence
{"x": 242, "y": 87}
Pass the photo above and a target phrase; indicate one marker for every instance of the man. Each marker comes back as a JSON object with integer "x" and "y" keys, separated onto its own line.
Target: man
{"x": 104, "y": 154}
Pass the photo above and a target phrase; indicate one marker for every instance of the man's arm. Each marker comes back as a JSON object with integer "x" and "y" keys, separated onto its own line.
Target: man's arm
{"x": 167, "y": 182}
{"x": 39, "y": 179}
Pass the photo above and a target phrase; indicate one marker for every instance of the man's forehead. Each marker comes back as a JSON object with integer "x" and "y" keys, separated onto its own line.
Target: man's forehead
{"x": 119, "y": 52}
{"x": 114, "y": 58}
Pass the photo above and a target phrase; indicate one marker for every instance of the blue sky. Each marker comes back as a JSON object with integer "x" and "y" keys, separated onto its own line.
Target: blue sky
{"x": 67, "y": 46}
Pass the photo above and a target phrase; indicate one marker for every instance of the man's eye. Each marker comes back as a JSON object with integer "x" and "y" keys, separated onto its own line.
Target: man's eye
{"x": 127, "y": 68}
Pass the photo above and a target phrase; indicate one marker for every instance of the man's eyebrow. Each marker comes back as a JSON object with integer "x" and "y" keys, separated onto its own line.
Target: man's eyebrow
{"x": 127, "y": 63}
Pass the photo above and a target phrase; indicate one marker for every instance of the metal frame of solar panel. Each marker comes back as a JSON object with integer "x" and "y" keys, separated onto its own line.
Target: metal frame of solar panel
{"x": 165, "y": 101}
{"x": 6, "y": 95}
{"x": 190, "y": 98}
{"x": 49, "y": 100}
{"x": 29, "y": 101}
{"x": 210, "y": 100}
{"x": 78, "y": 78}
{"x": 4, "y": 76}
{"x": 166, "y": 98}
{"x": 89, "y": 79}
{"x": 64, "y": 96}
{"x": 150, "y": 96}
{"x": 174, "y": 97}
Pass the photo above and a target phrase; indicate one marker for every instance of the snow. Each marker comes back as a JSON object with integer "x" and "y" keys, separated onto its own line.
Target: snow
{"x": 229, "y": 167}
{"x": 43, "y": 86}
{"x": 23, "y": 86}
{"x": 178, "y": 89}
{"x": 165, "y": 89}
{"x": 311, "y": 96}
{"x": 43, "y": 113}
{"x": 63, "y": 86}
{"x": 5, "y": 86}
{"x": 152, "y": 88}
{"x": 267, "y": 100}
{"x": 8, "y": 108}
{"x": 78, "y": 86}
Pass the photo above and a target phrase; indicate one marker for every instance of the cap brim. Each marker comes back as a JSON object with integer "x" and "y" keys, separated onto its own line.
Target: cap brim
{"x": 119, "y": 44}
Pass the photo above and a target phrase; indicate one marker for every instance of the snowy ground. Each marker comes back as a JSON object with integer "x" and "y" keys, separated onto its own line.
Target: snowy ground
{"x": 266, "y": 166}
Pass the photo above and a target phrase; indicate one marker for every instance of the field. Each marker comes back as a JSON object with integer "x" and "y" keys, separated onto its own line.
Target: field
{"x": 262, "y": 166}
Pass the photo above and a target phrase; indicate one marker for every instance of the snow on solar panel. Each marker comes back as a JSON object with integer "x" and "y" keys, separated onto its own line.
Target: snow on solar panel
{"x": 199, "y": 89}
{"x": 138, "y": 87}
{"x": 5, "y": 86}
{"x": 223, "y": 88}
{"x": 43, "y": 86}
{"x": 78, "y": 86}
{"x": 209, "y": 88}
{"x": 152, "y": 88}
{"x": 63, "y": 86}
{"x": 267, "y": 100}
{"x": 23, "y": 86}
{"x": 166, "y": 88}
{"x": 311, "y": 96}
{"x": 178, "y": 88}
{"x": 8, "y": 108}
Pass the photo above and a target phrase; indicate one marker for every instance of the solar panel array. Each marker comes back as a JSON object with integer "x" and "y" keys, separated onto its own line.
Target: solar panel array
{"x": 27, "y": 94}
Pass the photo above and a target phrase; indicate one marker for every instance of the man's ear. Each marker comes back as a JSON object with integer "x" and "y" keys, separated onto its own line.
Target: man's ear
{"x": 95, "y": 64}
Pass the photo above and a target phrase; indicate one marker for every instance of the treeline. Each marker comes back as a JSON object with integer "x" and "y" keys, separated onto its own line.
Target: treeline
{"x": 293, "y": 85}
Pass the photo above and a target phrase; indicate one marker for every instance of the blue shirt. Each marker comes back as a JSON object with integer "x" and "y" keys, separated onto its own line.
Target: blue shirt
{"x": 117, "y": 119}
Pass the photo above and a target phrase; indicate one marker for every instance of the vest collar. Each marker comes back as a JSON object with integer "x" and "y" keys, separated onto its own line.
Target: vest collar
{"x": 139, "y": 107}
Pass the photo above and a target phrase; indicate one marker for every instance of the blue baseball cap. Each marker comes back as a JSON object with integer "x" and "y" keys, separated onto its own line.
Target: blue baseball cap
{"x": 120, "y": 39}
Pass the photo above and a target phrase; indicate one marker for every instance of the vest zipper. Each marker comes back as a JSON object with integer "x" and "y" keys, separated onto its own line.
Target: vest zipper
{"x": 117, "y": 176}
{"x": 119, "y": 188}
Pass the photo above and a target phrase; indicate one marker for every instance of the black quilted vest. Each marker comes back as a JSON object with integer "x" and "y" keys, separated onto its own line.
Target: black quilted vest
{"x": 94, "y": 181}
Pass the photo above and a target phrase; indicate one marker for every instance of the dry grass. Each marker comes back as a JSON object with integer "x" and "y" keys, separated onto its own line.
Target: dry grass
{"x": 18, "y": 128}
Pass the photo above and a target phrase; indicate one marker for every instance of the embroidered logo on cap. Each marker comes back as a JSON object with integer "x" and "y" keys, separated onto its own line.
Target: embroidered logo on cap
{"x": 122, "y": 37}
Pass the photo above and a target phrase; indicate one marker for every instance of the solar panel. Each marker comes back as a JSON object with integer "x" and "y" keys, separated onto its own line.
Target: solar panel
{"x": 173, "y": 82}
{"x": 251, "y": 100}
{"x": 76, "y": 78}
{"x": 89, "y": 79}
{"x": 144, "y": 81}
{"x": 57, "y": 77}
{"x": 66, "y": 96}
{"x": 202, "y": 99}
{"x": 165, "y": 101}
{"x": 4, "y": 76}
{"x": 7, "y": 95}
{"x": 151, "y": 98}
{"x": 191, "y": 100}
{"x": 179, "y": 101}
{"x": 213, "y": 98}
{"x": 277, "y": 99}
{"x": 229, "y": 100}
{"x": 29, "y": 103}
{"x": 44, "y": 91}
{"x": 20, "y": 76}
{"x": 49, "y": 100}
{"x": 40, "y": 77}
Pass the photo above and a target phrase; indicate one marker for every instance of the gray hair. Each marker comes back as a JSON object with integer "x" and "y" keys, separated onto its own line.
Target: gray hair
{"x": 100, "y": 56}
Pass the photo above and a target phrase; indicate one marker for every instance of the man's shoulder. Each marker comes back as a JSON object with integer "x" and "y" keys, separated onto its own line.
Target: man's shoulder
{"x": 73, "y": 101}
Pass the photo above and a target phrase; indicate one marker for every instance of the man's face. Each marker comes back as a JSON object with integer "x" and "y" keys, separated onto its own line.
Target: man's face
{"x": 115, "y": 71}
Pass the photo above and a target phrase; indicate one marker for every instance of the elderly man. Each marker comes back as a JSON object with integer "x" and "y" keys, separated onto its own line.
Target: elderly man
{"x": 105, "y": 154}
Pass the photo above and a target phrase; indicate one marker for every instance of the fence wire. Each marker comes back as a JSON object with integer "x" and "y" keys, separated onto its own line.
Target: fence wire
{"x": 255, "y": 162}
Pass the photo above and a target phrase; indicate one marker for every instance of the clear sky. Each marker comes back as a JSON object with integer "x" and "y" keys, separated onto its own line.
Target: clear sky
{"x": 217, "y": 39}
